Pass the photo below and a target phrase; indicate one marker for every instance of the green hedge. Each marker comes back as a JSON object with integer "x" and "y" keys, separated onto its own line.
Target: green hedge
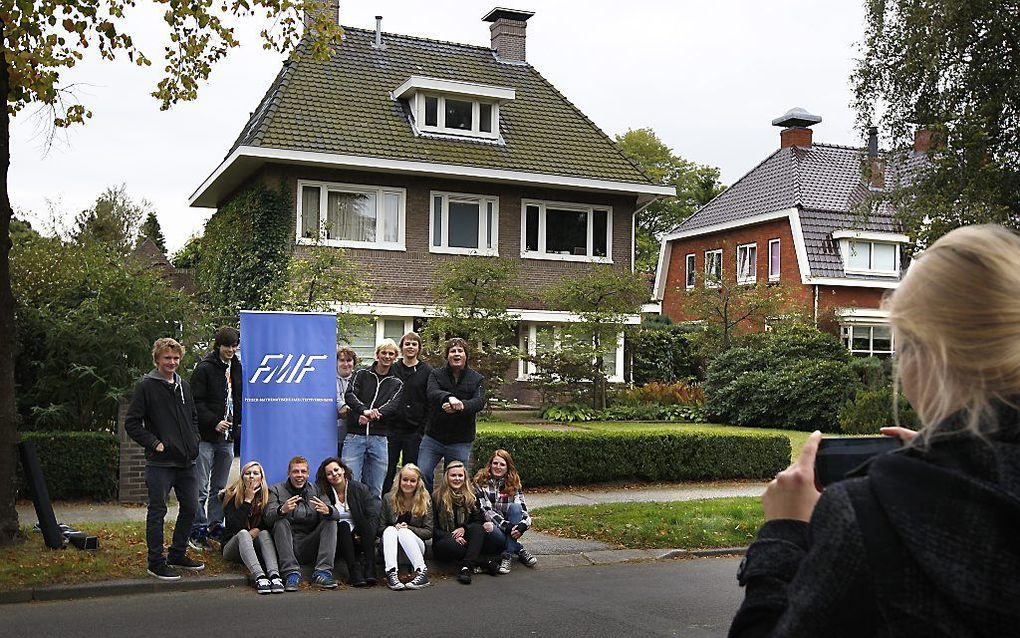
{"x": 873, "y": 409}
{"x": 75, "y": 464}
{"x": 569, "y": 458}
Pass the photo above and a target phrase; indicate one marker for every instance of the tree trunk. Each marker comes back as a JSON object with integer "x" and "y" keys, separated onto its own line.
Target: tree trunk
{"x": 8, "y": 414}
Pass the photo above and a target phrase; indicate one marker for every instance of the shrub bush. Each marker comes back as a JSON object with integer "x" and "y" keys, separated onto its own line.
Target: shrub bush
{"x": 678, "y": 393}
{"x": 569, "y": 458}
{"x": 75, "y": 464}
{"x": 873, "y": 409}
{"x": 569, "y": 413}
{"x": 871, "y": 372}
{"x": 662, "y": 353}
{"x": 795, "y": 379}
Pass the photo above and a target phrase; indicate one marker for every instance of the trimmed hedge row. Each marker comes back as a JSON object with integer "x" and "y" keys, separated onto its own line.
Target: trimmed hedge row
{"x": 571, "y": 458}
{"x": 77, "y": 465}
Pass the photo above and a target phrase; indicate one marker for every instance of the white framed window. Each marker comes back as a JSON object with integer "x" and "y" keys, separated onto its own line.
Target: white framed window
{"x": 869, "y": 340}
{"x": 566, "y": 232}
{"x": 350, "y": 215}
{"x": 464, "y": 224}
{"x": 862, "y": 256}
{"x": 368, "y": 333}
{"x": 690, "y": 271}
{"x": 536, "y": 337}
{"x": 713, "y": 268}
{"x": 774, "y": 246}
{"x": 456, "y": 115}
{"x": 747, "y": 263}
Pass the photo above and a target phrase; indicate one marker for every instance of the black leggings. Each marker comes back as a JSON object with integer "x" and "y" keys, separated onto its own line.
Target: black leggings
{"x": 478, "y": 543}
{"x": 400, "y": 445}
{"x": 345, "y": 545}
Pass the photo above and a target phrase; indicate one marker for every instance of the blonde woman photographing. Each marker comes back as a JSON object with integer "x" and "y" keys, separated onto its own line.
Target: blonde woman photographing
{"x": 921, "y": 541}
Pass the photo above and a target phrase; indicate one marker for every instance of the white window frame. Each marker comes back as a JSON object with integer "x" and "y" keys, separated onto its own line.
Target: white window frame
{"x": 710, "y": 281}
{"x": 379, "y": 329}
{"x": 745, "y": 278}
{"x": 778, "y": 262}
{"x": 483, "y": 201}
{"x": 845, "y": 247}
{"x": 846, "y": 333}
{"x": 585, "y": 208}
{"x": 528, "y": 343}
{"x": 440, "y": 126}
{"x": 380, "y": 193}
{"x": 690, "y": 270}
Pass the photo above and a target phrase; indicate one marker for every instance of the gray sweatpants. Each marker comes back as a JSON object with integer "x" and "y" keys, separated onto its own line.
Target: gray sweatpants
{"x": 320, "y": 544}
{"x": 241, "y": 548}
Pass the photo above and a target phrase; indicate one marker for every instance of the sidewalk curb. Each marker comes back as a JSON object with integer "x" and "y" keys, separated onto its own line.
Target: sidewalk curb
{"x": 132, "y": 586}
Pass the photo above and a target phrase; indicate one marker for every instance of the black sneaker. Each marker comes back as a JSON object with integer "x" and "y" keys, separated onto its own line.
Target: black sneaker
{"x": 183, "y": 562}
{"x": 276, "y": 584}
{"x": 492, "y": 566}
{"x": 420, "y": 580}
{"x": 527, "y": 558}
{"x": 464, "y": 577}
{"x": 164, "y": 572}
{"x": 263, "y": 586}
{"x": 393, "y": 580}
{"x": 354, "y": 575}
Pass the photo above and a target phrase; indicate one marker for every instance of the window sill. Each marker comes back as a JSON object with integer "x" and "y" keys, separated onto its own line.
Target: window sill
{"x": 880, "y": 273}
{"x": 339, "y": 243}
{"x": 559, "y": 257}
{"x": 476, "y": 252}
{"x": 747, "y": 282}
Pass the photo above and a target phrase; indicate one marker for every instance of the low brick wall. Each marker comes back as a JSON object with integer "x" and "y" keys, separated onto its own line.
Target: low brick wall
{"x": 131, "y": 483}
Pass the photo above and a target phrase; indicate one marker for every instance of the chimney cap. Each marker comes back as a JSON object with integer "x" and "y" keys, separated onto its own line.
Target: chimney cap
{"x": 796, "y": 117}
{"x": 509, "y": 14}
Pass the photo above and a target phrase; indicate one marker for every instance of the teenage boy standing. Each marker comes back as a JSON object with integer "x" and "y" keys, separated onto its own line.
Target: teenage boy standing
{"x": 406, "y": 431}
{"x": 216, "y": 382}
{"x": 162, "y": 419}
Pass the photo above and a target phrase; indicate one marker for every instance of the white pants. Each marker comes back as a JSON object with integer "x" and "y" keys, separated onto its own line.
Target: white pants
{"x": 414, "y": 547}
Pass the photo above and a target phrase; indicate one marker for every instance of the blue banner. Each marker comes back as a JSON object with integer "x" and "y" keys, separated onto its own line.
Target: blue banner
{"x": 289, "y": 389}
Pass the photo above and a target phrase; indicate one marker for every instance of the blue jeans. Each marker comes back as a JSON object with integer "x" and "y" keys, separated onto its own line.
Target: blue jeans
{"x": 212, "y": 469}
{"x": 159, "y": 480}
{"x": 432, "y": 450}
{"x": 514, "y": 514}
{"x": 367, "y": 457}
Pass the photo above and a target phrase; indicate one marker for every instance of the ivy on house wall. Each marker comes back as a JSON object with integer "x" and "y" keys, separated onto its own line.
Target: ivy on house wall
{"x": 246, "y": 249}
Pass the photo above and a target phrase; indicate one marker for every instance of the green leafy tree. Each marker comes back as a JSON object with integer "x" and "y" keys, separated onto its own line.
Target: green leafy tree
{"x": 695, "y": 185}
{"x": 190, "y": 253}
{"x": 472, "y": 301}
{"x": 113, "y": 220}
{"x": 949, "y": 68}
{"x": 150, "y": 229}
{"x": 602, "y": 300}
{"x": 44, "y": 38}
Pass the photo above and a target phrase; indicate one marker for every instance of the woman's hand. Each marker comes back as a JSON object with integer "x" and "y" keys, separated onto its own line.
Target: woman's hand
{"x": 792, "y": 494}
{"x": 319, "y": 506}
{"x": 904, "y": 434}
{"x": 401, "y": 526}
{"x": 458, "y": 533}
{"x": 250, "y": 488}
{"x": 488, "y": 526}
{"x": 254, "y": 533}
{"x": 515, "y": 533}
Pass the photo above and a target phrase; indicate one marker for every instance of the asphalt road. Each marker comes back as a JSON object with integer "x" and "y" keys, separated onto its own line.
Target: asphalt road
{"x": 664, "y": 598}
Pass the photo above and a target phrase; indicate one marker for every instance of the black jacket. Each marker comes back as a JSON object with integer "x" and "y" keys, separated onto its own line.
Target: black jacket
{"x": 363, "y": 505}
{"x": 438, "y": 530}
{"x": 304, "y": 518}
{"x": 370, "y": 391}
{"x": 236, "y": 518}
{"x": 925, "y": 544}
{"x": 458, "y": 427}
{"x": 415, "y": 408}
{"x": 209, "y": 384}
{"x": 162, "y": 412}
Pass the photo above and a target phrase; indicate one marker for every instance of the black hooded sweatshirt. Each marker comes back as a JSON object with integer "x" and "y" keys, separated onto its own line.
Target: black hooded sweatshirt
{"x": 923, "y": 544}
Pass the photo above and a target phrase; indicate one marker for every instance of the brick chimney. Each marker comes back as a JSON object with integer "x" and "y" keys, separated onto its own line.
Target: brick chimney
{"x": 795, "y": 123}
{"x": 508, "y": 32}
{"x": 332, "y": 8}
{"x": 926, "y": 140}
{"x": 876, "y": 164}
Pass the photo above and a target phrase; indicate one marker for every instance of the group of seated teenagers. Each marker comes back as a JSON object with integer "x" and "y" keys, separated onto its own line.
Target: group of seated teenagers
{"x": 334, "y": 518}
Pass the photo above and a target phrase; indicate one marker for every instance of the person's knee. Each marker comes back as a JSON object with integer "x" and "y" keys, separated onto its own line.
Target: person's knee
{"x": 514, "y": 510}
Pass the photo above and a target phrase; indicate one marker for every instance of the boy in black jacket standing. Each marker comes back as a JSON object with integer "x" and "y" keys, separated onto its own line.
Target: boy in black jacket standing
{"x": 162, "y": 419}
{"x": 216, "y": 383}
{"x": 456, "y": 394}
{"x": 407, "y": 428}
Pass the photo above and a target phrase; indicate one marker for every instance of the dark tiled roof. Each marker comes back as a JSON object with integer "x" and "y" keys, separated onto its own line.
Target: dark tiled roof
{"x": 343, "y": 106}
{"x": 824, "y": 182}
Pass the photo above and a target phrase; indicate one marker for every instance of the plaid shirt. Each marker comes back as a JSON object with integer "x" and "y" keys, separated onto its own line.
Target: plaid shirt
{"x": 494, "y": 502}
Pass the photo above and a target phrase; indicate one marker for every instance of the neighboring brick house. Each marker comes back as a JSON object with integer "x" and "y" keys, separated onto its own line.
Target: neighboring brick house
{"x": 410, "y": 152}
{"x": 794, "y": 219}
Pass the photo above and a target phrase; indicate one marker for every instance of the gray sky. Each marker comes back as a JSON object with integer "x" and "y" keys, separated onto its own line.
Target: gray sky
{"x": 708, "y": 77}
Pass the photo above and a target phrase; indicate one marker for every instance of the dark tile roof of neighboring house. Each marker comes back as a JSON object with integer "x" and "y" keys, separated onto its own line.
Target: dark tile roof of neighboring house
{"x": 823, "y": 182}
{"x": 343, "y": 106}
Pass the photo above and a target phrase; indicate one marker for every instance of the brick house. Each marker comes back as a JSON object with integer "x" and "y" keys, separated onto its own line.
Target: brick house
{"x": 793, "y": 220}
{"x": 409, "y": 153}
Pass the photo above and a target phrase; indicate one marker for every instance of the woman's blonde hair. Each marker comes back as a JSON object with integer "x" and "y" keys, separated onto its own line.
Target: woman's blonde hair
{"x": 956, "y": 321}
{"x": 444, "y": 493}
{"x": 420, "y": 501}
{"x": 235, "y": 490}
{"x": 513, "y": 479}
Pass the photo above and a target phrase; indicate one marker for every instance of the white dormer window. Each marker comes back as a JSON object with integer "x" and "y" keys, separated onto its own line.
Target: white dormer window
{"x": 449, "y": 107}
{"x": 870, "y": 253}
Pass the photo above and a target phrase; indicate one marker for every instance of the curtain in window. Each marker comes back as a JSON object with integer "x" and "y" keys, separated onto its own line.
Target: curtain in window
{"x": 310, "y": 212}
{"x": 351, "y": 216}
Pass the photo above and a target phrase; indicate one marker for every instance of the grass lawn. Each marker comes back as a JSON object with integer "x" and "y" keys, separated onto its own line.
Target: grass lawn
{"x": 701, "y": 524}
{"x": 121, "y": 554}
{"x": 797, "y": 438}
